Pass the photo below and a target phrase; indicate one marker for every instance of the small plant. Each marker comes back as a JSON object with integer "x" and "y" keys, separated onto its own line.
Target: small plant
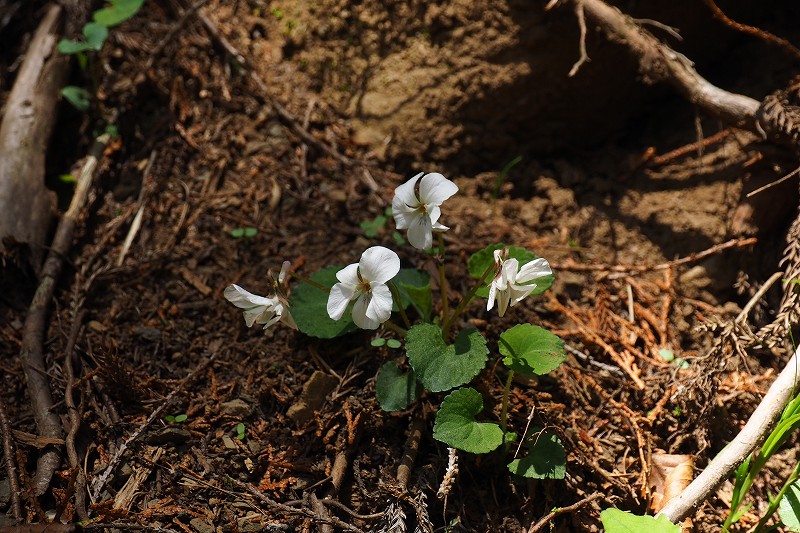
{"x": 501, "y": 177}
{"x": 246, "y": 233}
{"x": 441, "y": 355}
{"x": 95, "y": 34}
{"x": 176, "y": 419}
{"x": 241, "y": 431}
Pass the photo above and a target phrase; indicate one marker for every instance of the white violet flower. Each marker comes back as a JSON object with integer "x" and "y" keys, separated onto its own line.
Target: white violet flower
{"x": 365, "y": 282}
{"x": 415, "y": 207}
{"x": 507, "y": 286}
{"x": 261, "y": 309}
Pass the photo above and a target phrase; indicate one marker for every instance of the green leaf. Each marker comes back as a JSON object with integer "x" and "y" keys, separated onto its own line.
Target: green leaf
{"x": 439, "y": 366}
{"x": 181, "y": 418}
{"x": 789, "y": 507}
{"x": 414, "y": 287}
{"x": 393, "y": 343}
{"x": 481, "y": 260}
{"x": 545, "y": 460}
{"x": 396, "y": 389}
{"x": 309, "y": 306}
{"x": 67, "y": 178}
{"x": 377, "y": 343}
{"x": 78, "y": 97}
{"x": 96, "y": 35}
{"x": 238, "y": 233}
{"x": 69, "y": 47}
{"x": 616, "y": 521}
{"x": 531, "y": 350}
{"x": 170, "y": 419}
{"x": 119, "y": 11}
{"x": 372, "y": 227}
{"x": 456, "y": 425}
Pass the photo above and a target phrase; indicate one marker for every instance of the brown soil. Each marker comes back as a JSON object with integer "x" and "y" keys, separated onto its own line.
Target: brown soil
{"x": 388, "y": 89}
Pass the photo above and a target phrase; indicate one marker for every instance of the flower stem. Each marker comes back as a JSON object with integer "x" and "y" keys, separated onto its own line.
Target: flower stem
{"x": 311, "y": 282}
{"x": 504, "y": 408}
{"x": 396, "y": 296}
{"x": 464, "y": 301}
{"x": 394, "y": 327}
{"x": 443, "y": 280}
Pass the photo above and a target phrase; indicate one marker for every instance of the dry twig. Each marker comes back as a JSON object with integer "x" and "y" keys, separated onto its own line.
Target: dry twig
{"x": 9, "y": 454}
{"x": 561, "y": 510}
{"x": 32, "y": 355}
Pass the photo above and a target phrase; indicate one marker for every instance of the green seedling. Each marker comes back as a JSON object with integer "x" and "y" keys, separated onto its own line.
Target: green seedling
{"x": 95, "y": 35}
{"x": 241, "y": 431}
{"x": 502, "y": 175}
{"x": 176, "y": 419}
{"x": 246, "y": 233}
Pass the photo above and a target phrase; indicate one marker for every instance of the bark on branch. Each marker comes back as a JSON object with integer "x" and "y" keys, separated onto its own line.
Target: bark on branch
{"x": 658, "y": 62}
{"x": 26, "y": 206}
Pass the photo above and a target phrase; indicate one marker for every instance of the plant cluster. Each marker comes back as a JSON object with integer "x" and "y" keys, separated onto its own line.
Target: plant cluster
{"x": 95, "y": 34}
{"x": 439, "y": 356}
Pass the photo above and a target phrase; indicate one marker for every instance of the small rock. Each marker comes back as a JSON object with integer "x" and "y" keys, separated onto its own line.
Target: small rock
{"x": 168, "y": 435}
{"x": 228, "y": 442}
{"x": 237, "y": 407}
{"x": 201, "y": 526}
{"x": 314, "y": 393}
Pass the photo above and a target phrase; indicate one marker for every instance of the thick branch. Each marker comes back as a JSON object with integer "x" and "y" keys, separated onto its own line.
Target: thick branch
{"x": 26, "y": 206}
{"x": 753, "y": 433}
{"x": 658, "y": 62}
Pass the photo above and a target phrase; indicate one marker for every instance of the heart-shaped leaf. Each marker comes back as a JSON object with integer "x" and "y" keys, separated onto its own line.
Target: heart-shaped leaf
{"x": 616, "y": 521}
{"x": 309, "y": 307}
{"x": 481, "y": 260}
{"x": 531, "y": 350}
{"x": 456, "y": 425}
{"x": 96, "y": 35}
{"x": 414, "y": 287}
{"x": 440, "y": 366}
{"x": 117, "y": 12}
{"x": 545, "y": 460}
{"x": 77, "y": 96}
{"x": 396, "y": 389}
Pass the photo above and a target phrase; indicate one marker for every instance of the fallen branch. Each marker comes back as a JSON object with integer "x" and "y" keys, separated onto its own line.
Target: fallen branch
{"x": 26, "y": 205}
{"x": 754, "y": 432}
{"x": 32, "y": 352}
{"x": 658, "y": 62}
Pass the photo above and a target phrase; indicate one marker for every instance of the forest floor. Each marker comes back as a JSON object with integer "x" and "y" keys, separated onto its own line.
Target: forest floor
{"x": 653, "y": 252}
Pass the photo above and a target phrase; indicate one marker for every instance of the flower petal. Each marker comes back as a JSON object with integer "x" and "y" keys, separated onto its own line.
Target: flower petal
{"x": 260, "y": 314}
{"x": 492, "y": 295}
{"x": 380, "y": 305}
{"x": 537, "y": 268}
{"x": 378, "y": 264}
{"x": 288, "y": 319}
{"x": 502, "y": 301}
{"x": 404, "y": 217}
{"x": 349, "y": 275}
{"x": 435, "y": 189}
{"x": 360, "y": 313}
{"x": 405, "y": 196}
{"x": 339, "y": 297}
{"x": 419, "y": 233}
{"x": 508, "y": 273}
{"x": 243, "y": 299}
{"x": 519, "y": 292}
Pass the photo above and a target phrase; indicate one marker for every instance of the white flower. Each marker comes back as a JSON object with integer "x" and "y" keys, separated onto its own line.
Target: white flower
{"x": 506, "y": 286}
{"x": 419, "y": 211}
{"x": 260, "y": 309}
{"x": 365, "y": 282}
